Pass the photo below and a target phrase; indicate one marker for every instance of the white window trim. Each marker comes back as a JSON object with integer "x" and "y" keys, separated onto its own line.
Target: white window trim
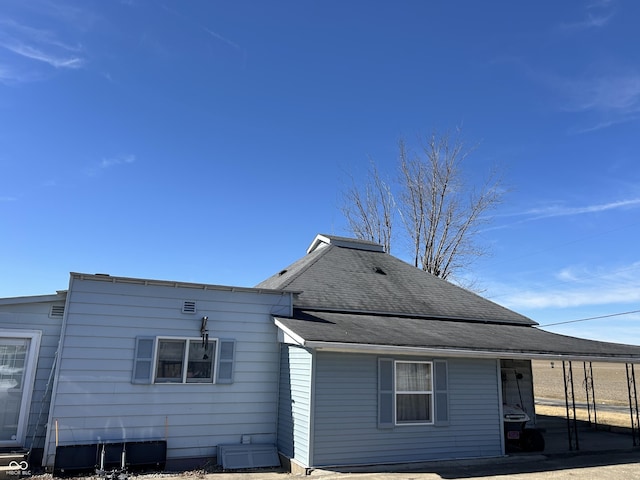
{"x": 28, "y": 382}
{"x": 396, "y": 392}
{"x": 214, "y": 370}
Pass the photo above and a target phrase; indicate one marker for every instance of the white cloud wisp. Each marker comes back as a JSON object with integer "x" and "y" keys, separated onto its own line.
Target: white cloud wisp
{"x": 579, "y": 288}
{"x": 110, "y": 162}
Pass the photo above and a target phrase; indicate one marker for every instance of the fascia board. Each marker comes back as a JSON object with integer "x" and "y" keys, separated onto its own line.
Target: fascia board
{"x": 33, "y": 299}
{"x": 458, "y": 353}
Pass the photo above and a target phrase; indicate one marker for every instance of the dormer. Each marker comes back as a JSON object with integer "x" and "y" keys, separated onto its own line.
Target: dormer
{"x": 322, "y": 241}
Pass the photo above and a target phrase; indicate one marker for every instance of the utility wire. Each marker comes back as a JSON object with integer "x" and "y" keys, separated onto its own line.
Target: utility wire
{"x": 590, "y": 318}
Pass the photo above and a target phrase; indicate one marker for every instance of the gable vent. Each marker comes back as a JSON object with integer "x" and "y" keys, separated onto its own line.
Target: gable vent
{"x": 57, "y": 311}
{"x": 189, "y": 307}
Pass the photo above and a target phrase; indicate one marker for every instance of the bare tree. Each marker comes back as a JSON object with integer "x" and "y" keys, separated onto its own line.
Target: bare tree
{"x": 440, "y": 212}
{"x": 370, "y": 211}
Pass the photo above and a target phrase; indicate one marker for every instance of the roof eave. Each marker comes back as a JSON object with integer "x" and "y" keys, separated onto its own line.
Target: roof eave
{"x": 56, "y": 297}
{"x": 168, "y": 283}
{"x": 455, "y": 353}
{"x": 289, "y": 333}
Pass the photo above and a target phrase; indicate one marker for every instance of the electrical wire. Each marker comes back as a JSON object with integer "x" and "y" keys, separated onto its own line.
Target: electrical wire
{"x": 590, "y": 318}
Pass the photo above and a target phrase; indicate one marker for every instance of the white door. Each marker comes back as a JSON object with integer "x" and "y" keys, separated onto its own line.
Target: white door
{"x": 18, "y": 355}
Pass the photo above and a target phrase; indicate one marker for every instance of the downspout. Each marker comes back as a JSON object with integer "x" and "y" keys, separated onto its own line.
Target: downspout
{"x": 500, "y": 409}
{"x": 312, "y": 409}
{"x": 278, "y": 386}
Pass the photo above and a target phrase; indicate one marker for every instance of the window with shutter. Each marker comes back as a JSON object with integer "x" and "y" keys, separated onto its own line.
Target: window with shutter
{"x": 412, "y": 392}
{"x": 143, "y": 360}
{"x": 182, "y": 360}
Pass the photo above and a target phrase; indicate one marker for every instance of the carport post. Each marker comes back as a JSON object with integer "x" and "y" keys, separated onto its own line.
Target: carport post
{"x": 591, "y": 399}
{"x": 633, "y": 403}
{"x": 572, "y": 426}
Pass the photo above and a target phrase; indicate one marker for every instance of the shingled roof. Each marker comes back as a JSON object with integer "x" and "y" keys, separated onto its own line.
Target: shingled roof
{"x": 347, "y": 275}
{"x": 381, "y": 334}
{"x": 352, "y": 296}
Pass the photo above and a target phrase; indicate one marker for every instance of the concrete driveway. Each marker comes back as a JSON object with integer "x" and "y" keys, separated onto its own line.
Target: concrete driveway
{"x": 593, "y": 466}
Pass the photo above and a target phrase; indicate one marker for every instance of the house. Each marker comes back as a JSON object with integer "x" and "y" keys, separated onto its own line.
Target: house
{"x": 193, "y": 366}
{"x": 29, "y": 336}
{"x": 349, "y": 356}
{"x": 384, "y": 363}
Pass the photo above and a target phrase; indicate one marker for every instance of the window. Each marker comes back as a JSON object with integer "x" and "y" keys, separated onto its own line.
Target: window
{"x": 18, "y": 360}
{"x": 185, "y": 361}
{"x": 414, "y": 392}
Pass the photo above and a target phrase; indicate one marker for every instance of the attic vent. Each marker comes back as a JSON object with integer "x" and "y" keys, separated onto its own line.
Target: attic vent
{"x": 57, "y": 311}
{"x": 379, "y": 270}
{"x": 282, "y": 272}
{"x": 189, "y": 307}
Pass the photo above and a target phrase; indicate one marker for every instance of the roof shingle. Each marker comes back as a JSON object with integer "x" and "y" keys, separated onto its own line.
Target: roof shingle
{"x": 340, "y": 278}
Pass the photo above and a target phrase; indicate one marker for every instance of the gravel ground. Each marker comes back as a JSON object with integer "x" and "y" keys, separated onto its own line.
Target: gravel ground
{"x": 610, "y": 466}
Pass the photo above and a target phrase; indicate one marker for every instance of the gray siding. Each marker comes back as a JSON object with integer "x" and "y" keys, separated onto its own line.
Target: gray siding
{"x": 295, "y": 403}
{"x": 345, "y": 424}
{"x": 94, "y": 399}
{"x": 34, "y": 315}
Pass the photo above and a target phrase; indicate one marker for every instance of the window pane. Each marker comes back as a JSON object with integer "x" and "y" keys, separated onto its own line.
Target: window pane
{"x": 13, "y": 356}
{"x": 413, "y": 377}
{"x": 170, "y": 360}
{"x": 200, "y": 366}
{"x": 13, "y": 353}
{"x": 413, "y": 408}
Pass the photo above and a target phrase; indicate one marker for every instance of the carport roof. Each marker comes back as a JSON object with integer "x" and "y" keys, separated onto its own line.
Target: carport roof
{"x": 355, "y": 332}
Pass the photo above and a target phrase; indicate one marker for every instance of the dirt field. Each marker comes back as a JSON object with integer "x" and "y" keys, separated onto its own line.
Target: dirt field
{"x": 610, "y": 388}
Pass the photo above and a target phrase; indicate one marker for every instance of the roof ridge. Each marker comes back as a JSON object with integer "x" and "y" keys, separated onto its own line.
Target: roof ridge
{"x": 345, "y": 242}
{"x": 320, "y": 253}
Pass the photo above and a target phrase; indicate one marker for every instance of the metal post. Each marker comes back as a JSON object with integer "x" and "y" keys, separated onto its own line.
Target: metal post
{"x": 591, "y": 396}
{"x": 570, "y": 401}
{"x": 633, "y": 404}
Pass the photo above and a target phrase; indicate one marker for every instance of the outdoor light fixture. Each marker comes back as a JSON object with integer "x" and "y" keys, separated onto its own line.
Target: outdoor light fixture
{"x": 205, "y": 337}
{"x": 204, "y": 332}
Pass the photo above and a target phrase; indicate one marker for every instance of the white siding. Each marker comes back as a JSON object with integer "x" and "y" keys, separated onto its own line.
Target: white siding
{"x": 34, "y": 315}
{"x": 96, "y": 401}
{"x": 345, "y": 423}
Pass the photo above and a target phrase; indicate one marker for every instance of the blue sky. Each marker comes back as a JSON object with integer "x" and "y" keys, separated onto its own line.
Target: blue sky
{"x": 210, "y": 141}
